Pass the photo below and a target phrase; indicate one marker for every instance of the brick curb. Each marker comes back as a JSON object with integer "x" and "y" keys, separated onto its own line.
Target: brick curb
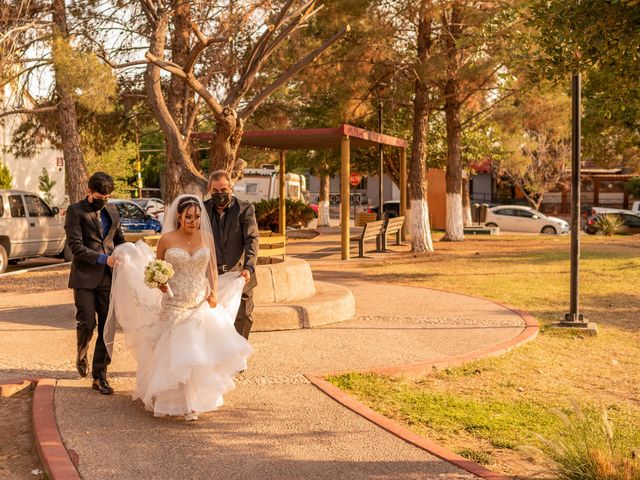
{"x": 529, "y": 332}
{"x": 52, "y": 452}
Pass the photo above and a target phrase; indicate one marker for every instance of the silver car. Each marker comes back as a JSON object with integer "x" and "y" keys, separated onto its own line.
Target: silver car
{"x": 516, "y": 218}
{"x": 29, "y": 228}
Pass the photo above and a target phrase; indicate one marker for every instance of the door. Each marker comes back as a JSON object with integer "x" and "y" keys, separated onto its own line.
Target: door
{"x": 39, "y": 233}
{"x": 631, "y": 224}
{"x": 18, "y": 227}
{"x": 526, "y": 221}
{"x": 505, "y": 218}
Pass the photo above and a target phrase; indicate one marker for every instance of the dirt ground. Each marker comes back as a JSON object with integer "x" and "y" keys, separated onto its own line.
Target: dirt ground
{"x": 18, "y": 457}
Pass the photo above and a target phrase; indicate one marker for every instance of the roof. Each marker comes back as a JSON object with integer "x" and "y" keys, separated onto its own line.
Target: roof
{"x": 312, "y": 139}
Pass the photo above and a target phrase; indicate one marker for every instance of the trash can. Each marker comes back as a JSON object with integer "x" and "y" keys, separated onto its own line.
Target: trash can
{"x": 482, "y": 213}
{"x": 475, "y": 213}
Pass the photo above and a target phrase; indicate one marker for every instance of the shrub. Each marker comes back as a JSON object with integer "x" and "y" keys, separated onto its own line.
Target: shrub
{"x": 298, "y": 213}
{"x": 5, "y": 176}
{"x": 609, "y": 224}
{"x": 590, "y": 449}
{"x": 632, "y": 187}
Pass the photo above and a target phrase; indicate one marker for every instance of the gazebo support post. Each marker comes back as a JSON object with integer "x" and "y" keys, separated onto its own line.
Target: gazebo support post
{"x": 345, "y": 173}
{"x": 282, "y": 207}
{"x": 403, "y": 190}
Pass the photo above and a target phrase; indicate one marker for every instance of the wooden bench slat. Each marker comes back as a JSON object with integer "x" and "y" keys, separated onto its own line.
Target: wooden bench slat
{"x": 271, "y": 252}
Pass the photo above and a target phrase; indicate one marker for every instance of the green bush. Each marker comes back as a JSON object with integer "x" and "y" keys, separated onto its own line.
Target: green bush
{"x": 298, "y": 213}
{"x": 632, "y": 187}
{"x": 5, "y": 176}
{"x": 590, "y": 449}
{"x": 609, "y": 224}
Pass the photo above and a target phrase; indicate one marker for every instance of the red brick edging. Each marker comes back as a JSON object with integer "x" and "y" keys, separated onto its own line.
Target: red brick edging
{"x": 55, "y": 458}
{"x": 529, "y": 332}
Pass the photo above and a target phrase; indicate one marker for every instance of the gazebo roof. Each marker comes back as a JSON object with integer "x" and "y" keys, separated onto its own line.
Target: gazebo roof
{"x": 312, "y": 139}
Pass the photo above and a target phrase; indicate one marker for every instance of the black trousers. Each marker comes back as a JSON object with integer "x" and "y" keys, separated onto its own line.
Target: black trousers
{"x": 92, "y": 303}
{"x": 244, "y": 319}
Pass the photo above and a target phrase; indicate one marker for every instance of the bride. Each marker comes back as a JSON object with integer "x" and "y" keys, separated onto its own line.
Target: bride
{"x": 182, "y": 337}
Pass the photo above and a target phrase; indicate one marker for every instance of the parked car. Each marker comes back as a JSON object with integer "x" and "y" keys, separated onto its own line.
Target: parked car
{"x": 390, "y": 208}
{"x": 631, "y": 223}
{"x": 29, "y": 228}
{"x": 517, "y": 218}
{"x": 154, "y": 206}
{"x": 134, "y": 218}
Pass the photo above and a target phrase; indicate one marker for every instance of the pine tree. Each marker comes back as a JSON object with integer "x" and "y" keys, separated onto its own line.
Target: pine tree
{"x": 45, "y": 184}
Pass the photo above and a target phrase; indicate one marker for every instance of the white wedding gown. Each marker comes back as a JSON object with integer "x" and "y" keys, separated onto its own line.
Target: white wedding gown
{"x": 187, "y": 352}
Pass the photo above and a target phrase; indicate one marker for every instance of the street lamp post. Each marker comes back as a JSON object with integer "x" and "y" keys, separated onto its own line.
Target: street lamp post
{"x": 574, "y": 319}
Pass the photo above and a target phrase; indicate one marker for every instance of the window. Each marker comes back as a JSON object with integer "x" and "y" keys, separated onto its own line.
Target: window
{"x": 17, "y": 206}
{"x": 1, "y": 206}
{"x": 524, "y": 213}
{"x": 294, "y": 191}
{"x": 130, "y": 211}
{"x": 505, "y": 211}
{"x": 631, "y": 221}
{"x": 252, "y": 188}
{"x": 36, "y": 207}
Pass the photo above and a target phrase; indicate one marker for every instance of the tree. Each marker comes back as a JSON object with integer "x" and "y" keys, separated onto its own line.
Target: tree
{"x": 80, "y": 80}
{"x": 230, "y": 111}
{"x": 420, "y": 228}
{"x": 632, "y": 187}
{"x": 536, "y": 137}
{"x": 598, "y": 38}
{"x": 45, "y": 185}
{"x": 5, "y": 176}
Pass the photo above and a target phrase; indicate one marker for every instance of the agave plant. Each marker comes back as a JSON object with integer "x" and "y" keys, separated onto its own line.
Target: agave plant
{"x": 609, "y": 224}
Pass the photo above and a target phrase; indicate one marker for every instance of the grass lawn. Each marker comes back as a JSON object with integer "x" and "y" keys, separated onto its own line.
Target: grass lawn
{"x": 493, "y": 410}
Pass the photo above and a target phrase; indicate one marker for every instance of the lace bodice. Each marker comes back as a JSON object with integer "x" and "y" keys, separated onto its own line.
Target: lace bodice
{"x": 189, "y": 284}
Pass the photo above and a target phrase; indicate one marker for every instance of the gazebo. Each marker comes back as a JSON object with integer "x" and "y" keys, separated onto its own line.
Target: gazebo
{"x": 344, "y": 137}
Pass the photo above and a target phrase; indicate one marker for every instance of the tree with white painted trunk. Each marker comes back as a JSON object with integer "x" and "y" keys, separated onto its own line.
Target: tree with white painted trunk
{"x": 421, "y": 241}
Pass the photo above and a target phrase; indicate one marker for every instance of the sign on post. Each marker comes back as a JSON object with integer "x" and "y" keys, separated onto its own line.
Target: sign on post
{"x": 355, "y": 179}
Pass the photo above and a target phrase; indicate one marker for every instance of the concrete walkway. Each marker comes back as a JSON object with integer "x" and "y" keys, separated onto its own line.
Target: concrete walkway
{"x": 275, "y": 425}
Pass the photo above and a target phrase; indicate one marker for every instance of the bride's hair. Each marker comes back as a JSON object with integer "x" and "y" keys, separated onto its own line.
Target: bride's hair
{"x": 184, "y": 204}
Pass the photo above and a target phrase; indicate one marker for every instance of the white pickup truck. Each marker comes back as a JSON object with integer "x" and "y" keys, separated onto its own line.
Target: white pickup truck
{"x": 635, "y": 208}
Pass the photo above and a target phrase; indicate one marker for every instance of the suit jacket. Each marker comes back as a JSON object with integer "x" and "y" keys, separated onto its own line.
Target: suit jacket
{"x": 86, "y": 242}
{"x": 237, "y": 243}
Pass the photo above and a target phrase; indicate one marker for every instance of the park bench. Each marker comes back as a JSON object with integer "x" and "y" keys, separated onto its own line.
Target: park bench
{"x": 362, "y": 218}
{"x": 392, "y": 226}
{"x": 271, "y": 245}
{"x": 370, "y": 231}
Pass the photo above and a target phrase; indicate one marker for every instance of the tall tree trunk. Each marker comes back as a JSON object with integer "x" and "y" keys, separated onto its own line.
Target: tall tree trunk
{"x": 323, "y": 202}
{"x": 226, "y": 142}
{"x": 466, "y": 201}
{"x": 454, "y": 224}
{"x": 421, "y": 240}
{"x": 181, "y": 175}
{"x": 76, "y": 178}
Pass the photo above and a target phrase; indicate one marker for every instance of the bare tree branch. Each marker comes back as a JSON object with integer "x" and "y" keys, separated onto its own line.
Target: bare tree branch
{"x": 191, "y": 80}
{"x": 29, "y": 111}
{"x": 285, "y": 76}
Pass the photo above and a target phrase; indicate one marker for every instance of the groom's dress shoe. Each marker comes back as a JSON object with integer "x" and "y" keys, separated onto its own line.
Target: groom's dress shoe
{"x": 82, "y": 364}
{"x": 102, "y": 385}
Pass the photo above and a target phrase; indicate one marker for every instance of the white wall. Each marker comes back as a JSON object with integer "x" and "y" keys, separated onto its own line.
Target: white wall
{"x": 26, "y": 171}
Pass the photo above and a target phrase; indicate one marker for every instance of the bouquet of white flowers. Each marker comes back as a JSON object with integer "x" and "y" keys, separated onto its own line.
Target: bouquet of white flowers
{"x": 157, "y": 274}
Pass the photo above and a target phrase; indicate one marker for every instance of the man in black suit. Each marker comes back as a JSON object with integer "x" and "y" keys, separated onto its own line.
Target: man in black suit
{"x": 93, "y": 231}
{"x": 236, "y": 236}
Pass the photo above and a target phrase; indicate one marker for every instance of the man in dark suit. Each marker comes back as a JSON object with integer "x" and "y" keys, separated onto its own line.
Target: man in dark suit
{"x": 93, "y": 231}
{"x": 236, "y": 236}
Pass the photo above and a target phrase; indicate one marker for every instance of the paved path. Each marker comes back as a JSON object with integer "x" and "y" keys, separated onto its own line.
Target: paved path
{"x": 275, "y": 425}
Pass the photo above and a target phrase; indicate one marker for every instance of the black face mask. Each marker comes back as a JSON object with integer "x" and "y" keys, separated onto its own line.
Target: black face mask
{"x": 98, "y": 203}
{"x": 221, "y": 199}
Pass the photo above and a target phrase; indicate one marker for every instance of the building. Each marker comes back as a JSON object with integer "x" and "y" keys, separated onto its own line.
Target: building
{"x": 366, "y": 193}
{"x": 26, "y": 171}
